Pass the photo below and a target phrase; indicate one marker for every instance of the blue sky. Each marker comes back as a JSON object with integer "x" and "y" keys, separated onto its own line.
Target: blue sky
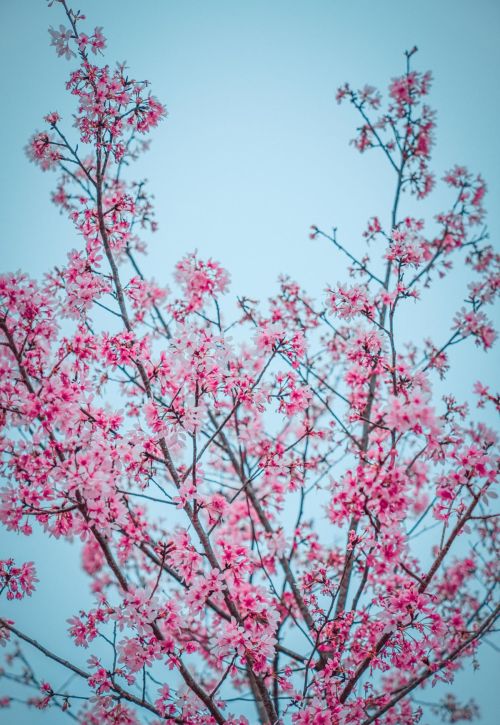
{"x": 255, "y": 150}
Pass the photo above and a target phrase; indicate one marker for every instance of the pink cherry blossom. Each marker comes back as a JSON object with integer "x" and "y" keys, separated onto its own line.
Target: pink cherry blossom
{"x": 273, "y": 503}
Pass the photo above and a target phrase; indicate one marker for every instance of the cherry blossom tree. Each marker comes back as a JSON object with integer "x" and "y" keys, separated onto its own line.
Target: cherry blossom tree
{"x": 280, "y": 519}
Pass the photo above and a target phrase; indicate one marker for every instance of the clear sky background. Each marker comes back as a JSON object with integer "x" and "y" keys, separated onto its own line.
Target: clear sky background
{"x": 253, "y": 152}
